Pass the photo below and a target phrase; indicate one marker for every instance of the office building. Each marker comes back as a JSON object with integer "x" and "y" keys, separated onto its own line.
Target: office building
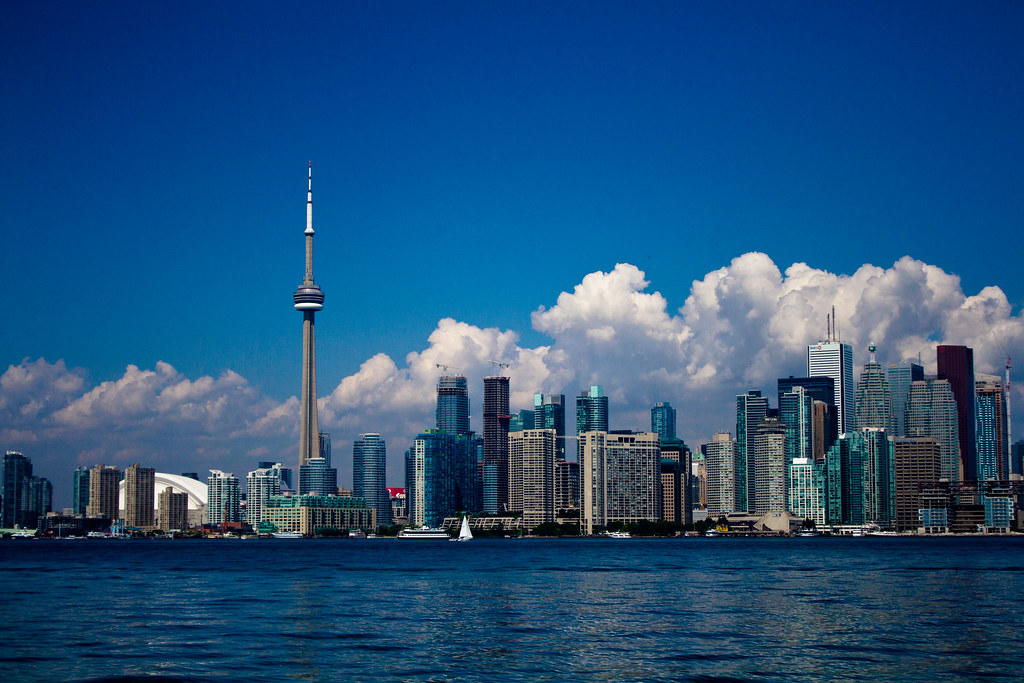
{"x": 549, "y": 413}
{"x": 663, "y": 420}
{"x": 524, "y": 419}
{"x": 720, "y": 458}
{"x": 532, "y": 476}
{"x": 495, "y": 464}
{"x": 25, "y": 498}
{"x": 369, "y": 472}
{"x": 453, "y": 404}
{"x": 767, "y": 471}
{"x": 104, "y": 486}
{"x": 308, "y": 300}
{"x": 900, "y": 376}
{"x": 825, "y": 416}
{"x": 172, "y": 510}
{"x": 873, "y": 402}
{"x": 932, "y": 412}
{"x": 80, "y": 490}
{"x": 592, "y": 410}
{"x": 440, "y": 471}
{"x": 139, "y": 491}
{"x": 832, "y": 358}
{"x": 751, "y": 408}
{"x": 318, "y": 478}
{"x": 796, "y": 412}
{"x": 807, "y": 492}
{"x": 223, "y": 495}
{"x": 676, "y": 493}
{"x": 620, "y": 477}
{"x": 861, "y": 478}
{"x": 956, "y": 364}
{"x": 993, "y": 449}
{"x": 260, "y": 484}
{"x": 916, "y": 462}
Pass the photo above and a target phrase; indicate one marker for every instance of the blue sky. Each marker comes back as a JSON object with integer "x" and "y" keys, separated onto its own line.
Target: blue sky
{"x": 473, "y": 161}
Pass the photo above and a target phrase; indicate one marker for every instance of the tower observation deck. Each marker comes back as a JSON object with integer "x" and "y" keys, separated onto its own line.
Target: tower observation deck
{"x": 308, "y": 299}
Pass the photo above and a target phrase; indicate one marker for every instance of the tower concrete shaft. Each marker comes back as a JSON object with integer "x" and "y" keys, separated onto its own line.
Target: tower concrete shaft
{"x": 308, "y": 299}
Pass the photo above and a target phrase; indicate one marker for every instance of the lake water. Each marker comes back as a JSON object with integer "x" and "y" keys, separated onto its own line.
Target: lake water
{"x": 537, "y": 610}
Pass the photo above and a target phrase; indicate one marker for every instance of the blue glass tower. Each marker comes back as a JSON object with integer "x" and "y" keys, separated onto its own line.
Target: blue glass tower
{"x": 663, "y": 420}
{"x": 369, "y": 468}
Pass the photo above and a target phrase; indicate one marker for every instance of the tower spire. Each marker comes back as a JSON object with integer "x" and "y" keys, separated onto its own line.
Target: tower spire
{"x": 308, "y": 300}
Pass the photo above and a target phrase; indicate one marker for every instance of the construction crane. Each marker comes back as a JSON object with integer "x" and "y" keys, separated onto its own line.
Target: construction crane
{"x": 444, "y": 368}
{"x": 1009, "y": 423}
{"x": 501, "y": 365}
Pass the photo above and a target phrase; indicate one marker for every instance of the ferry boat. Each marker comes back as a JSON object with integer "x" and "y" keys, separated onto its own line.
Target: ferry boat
{"x": 286, "y": 534}
{"x": 424, "y": 533}
{"x": 619, "y": 534}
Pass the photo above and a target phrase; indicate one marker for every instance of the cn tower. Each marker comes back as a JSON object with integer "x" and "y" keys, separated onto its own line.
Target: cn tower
{"x": 308, "y": 299}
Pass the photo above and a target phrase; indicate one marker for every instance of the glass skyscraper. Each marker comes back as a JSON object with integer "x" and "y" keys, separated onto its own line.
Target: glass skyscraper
{"x": 496, "y": 419}
{"x": 835, "y": 359}
{"x": 901, "y": 375}
{"x": 956, "y": 364}
{"x": 873, "y": 400}
{"x": 663, "y": 420}
{"x": 992, "y": 427}
{"x": 453, "y": 404}
{"x": 751, "y": 408}
{"x": 931, "y": 411}
{"x": 549, "y": 413}
{"x": 369, "y": 469}
{"x": 592, "y": 411}
{"x": 223, "y": 494}
{"x": 80, "y": 490}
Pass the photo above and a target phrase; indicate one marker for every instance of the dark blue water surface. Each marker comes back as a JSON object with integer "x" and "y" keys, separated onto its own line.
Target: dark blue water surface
{"x": 495, "y": 610}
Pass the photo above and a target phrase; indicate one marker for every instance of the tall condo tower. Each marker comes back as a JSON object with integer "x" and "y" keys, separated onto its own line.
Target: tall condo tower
{"x": 308, "y": 299}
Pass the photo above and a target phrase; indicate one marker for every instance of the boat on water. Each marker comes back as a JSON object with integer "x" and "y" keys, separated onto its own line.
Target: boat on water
{"x": 356, "y": 533}
{"x": 711, "y": 533}
{"x": 619, "y": 534}
{"x": 424, "y": 533}
{"x": 808, "y": 533}
{"x": 286, "y": 534}
{"x": 879, "y": 532}
{"x": 464, "y": 533}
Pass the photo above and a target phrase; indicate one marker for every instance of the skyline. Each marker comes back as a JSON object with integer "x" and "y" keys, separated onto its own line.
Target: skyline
{"x": 481, "y": 173}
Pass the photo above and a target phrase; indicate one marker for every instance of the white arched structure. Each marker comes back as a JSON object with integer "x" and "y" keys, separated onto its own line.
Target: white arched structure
{"x": 196, "y": 490}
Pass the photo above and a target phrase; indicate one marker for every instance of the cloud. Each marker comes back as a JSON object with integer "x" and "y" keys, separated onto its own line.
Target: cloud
{"x": 739, "y": 327}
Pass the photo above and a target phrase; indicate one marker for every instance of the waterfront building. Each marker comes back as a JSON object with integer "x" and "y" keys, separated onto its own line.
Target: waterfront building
{"x": 312, "y": 514}
{"x": 796, "y": 411}
{"x": 833, "y": 358}
{"x": 369, "y": 472}
{"x": 532, "y": 476}
{"x": 453, "y": 404}
{"x": 932, "y": 412}
{"x": 104, "y": 489}
{"x": 916, "y": 461}
{"x": 751, "y": 408}
{"x": 860, "y": 479}
{"x": 663, "y": 420}
{"x": 223, "y": 496}
{"x": 807, "y": 493}
{"x": 260, "y": 485}
{"x": 720, "y": 456}
{"x": 25, "y": 498}
{"x": 567, "y": 485}
{"x": 873, "y": 402}
{"x": 549, "y": 413}
{"x": 900, "y": 376}
{"x": 139, "y": 490}
{"x": 993, "y": 449}
{"x": 620, "y": 478}
{"x": 495, "y": 463}
{"x": 956, "y": 364}
{"x": 675, "y": 481}
{"x": 440, "y": 471}
{"x": 308, "y": 300}
{"x": 80, "y": 490}
{"x": 172, "y": 510}
{"x": 318, "y": 478}
{"x": 767, "y": 471}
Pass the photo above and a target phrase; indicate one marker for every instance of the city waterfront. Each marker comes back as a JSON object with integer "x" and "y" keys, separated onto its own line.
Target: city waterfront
{"x": 572, "y": 609}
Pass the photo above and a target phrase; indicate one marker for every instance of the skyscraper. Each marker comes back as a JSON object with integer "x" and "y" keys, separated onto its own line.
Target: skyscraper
{"x": 496, "y": 419}
{"x": 751, "y": 408}
{"x": 369, "y": 470}
{"x": 16, "y": 470}
{"x": 172, "y": 510}
{"x": 916, "y": 461}
{"x": 592, "y": 410}
{"x": 860, "y": 479}
{"x": 549, "y": 413}
{"x": 663, "y": 420}
{"x": 796, "y": 411}
{"x": 620, "y": 475}
{"x": 931, "y": 412}
{"x": 767, "y": 472}
{"x": 676, "y": 466}
{"x": 834, "y": 359}
{"x": 993, "y": 449}
{"x": 807, "y": 498}
{"x": 139, "y": 494}
{"x": 956, "y": 364}
{"x": 720, "y": 459}
{"x": 532, "y": 476}
{"x": 80, "y": 490}
{"x": 104, "y": 482}
{"x": 260, "y": 485}
{"x": 822, "y": 390}
{"x": 453, "y": 404}
{"x": 308, "y": 299}
{"x": 874, "y": 397}
{"x": 223, "y": 496}
{"x": 900, "y": 377}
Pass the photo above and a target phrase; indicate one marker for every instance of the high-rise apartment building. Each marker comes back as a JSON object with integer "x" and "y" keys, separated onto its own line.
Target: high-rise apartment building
{"x": 861, "y": 479}
{"x": 25, "y": 498}
{"x": 104, "y": 485}
{"x": 139, "y": 495}
{"x": 453, "y": 404}
{"x": 916, "y": 462}
{"x": 80, "y": 490}
{"x": 172, "y": 510}
{"x": 807, "y": 491}
{"x": 567, "y": 485}
{"x": 720, "y": 459}
{"x": 993, "y": 449}
{"x": 834, "y": 359}
{"x": 796, "y": 412}
{"x": 901, "y": 375}
{"x": 620, "y": 477}
{"x": 751, "y": 408}
{"x": 532, "y": 476}
{"x": 932, "y": 412}
{"x": 676, "y": 495}
{"x": 873, "y": 402}
{"x": 369, "y": 472}
{"x": 825, "y": 417}
{"x": 956, "y": 364}
{"x": 767, "y": 472}
{"x": 549, "y": 413}
{"x": 663, "y": 420}
{"x": 223, "y": 494}
{"x": 592, "y": 410}
{"x": 495, "y": 464}
{"x": 431, "y": 484}
{"x": 318, "y": 478}
{"x": 260, "y": 484}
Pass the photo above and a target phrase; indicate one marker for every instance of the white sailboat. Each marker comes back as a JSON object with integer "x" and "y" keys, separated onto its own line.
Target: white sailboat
{"x": 464, "y": 533}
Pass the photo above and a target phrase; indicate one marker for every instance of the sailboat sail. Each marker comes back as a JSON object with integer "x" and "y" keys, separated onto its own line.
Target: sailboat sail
{"x": 464, "y": 533}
